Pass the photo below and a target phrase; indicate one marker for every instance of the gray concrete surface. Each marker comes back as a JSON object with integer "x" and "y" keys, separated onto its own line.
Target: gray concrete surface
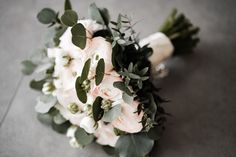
{"x": 201, "y": 86}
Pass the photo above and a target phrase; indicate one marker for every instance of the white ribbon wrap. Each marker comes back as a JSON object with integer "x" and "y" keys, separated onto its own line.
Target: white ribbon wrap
{"x": 161, "y": 45}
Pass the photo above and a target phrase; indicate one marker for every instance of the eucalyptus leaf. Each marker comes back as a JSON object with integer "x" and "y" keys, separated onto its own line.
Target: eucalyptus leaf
{"x": 81, "y": 94}
{"x": 61, "y": 128}
{"x": 95, "y": 14}
{"x": 67, "y": 5}
{"x": 28, "y": 67}
{"x": 85, "y": 70}
{"x": 112, "y": 114}
{"x": 121, "y": 85}
{"x": 59, "y": 119}
{"x": 45, "y": 103}
{"x": 82, "y": 137}
{"x": 37, "y": 85}
{"x": 45, "y": 118}
{"x": 69, "y": 18}
{"x": 97, "y": 110}
{"x": 47, "y": 16}
{"x": 79, "y": 35}
{"x": 100, "y": 69}
{"x": 134, "y": 145}
{"x": 127, "y": 99}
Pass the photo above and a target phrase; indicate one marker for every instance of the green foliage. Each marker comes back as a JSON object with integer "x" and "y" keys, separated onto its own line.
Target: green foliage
{"x": 28, "y": 67}
{"x": 67, "y": 5}
{"x": 82, "y": 137}
{"x": 100, "y": 69}
{"x": 37, "y": 85}
{"x": 59, "y": 119}
{"x": 85, "y": 70}
{"x": 69, "y": 18}
{"x": 97, "y": 110}
{"x": 181, "y": 31}
{"x": 47, "y": 16}
{"x": 79, "y": 35}
{"x": 61, "y": 128}
{"x": 127, "y": 99}
{"x": 81, "y": 94}
{"x": 121, "y": 85}
{"x": 135, "y": 145}
{"x": 100, "y": 15}
{"x": 112, "y": 114}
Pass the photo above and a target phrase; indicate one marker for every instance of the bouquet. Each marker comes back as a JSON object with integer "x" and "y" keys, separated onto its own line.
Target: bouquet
{"x": 96, "y": 78}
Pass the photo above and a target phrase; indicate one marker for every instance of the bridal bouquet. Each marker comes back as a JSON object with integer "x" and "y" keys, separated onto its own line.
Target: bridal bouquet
{"x": 96, "y": 78}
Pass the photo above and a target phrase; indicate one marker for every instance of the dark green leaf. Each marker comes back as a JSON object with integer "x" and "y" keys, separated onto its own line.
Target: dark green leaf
{"x": 134, "y": 145}
{"x": 61, "y": 128}
{"x": 67, "y": 5}
{"x": 110, "y": 150}
{"x": 69, "y": 18}
{"x": 28, "y": 67}
{"x": 97, "y": 110}
{"x": 59, "y": 119}
{"x": 105, "y": 15}
{"x": 121, "y": 85}
{"x": 100, "y": 71}
{"x": 82, "y": 137}
{"x": 47, "y": 16}
{"x": 81, "y": 94}
{"x": 85, "y": 70}
{"x": 79, "y": 35}
{"x": 37, "y": 85}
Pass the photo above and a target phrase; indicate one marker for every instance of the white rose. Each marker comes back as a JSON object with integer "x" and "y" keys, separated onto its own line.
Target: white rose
{"x": 88, "y": 124}
{"x": 66, "y": 39}
{"x": 105, "y": 135}
{"x": 68, "y": 64}
{"x": 161, "y": 45}
{"x": 106, "y": 90}
{"x": 129, "y": 121}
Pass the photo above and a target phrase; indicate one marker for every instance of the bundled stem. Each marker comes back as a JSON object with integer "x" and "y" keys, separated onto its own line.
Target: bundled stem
{"x": 181, "y": 31}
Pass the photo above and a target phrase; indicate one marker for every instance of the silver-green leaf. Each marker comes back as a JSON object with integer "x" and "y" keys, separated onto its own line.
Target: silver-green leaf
{"x": 134, "y": 145}
{"x": 82, "y": 137}
{"x": 45, "y": 103}
{"x": 47, "y": 16}
{"x": 112, "y": 114}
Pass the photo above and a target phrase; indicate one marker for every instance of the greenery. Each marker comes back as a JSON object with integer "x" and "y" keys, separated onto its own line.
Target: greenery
{"x": 79, "y": 35}
{"x": 82, "y": 137}
{"x": 100, "y": 71}
{"x": 69, "y": 18}
{"x": 97, "y": 110}
{"x": 181, "y": 31}
{"x": 134, "y": 145}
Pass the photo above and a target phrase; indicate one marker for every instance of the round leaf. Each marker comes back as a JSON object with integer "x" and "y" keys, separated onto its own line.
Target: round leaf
{"x": 79, "y": 35}
{"x": 82, "y": 137}
{"x": 47, "y": 16}
{"x": 69, "y": 18}
{"x": 135, "y": 145}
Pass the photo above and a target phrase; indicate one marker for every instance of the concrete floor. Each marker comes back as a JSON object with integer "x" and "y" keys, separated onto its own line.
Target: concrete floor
{"x": 201, "y": 86}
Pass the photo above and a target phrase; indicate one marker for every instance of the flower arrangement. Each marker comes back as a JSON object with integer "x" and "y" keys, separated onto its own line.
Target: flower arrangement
{"x": 95, "y": 78}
